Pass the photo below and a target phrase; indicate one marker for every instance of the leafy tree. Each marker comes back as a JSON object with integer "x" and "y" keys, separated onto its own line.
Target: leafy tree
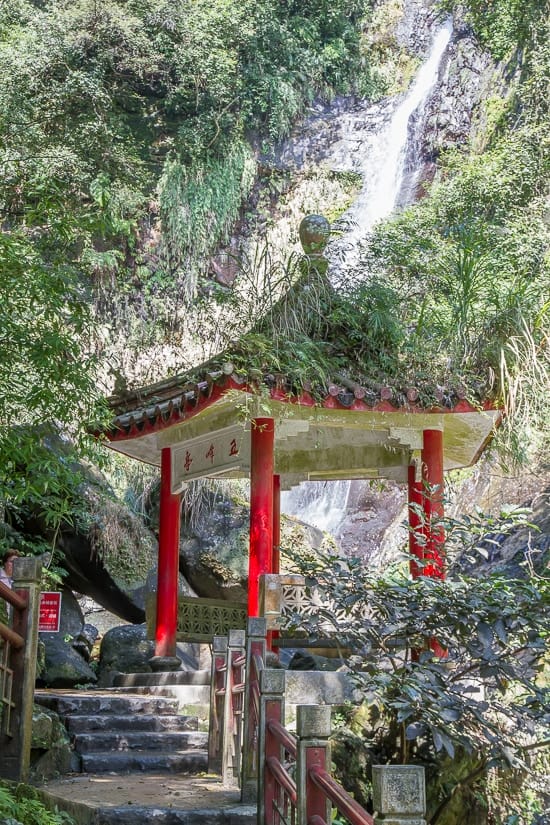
{"x": 46, "y": 377}
{"x": 483, "y": 703}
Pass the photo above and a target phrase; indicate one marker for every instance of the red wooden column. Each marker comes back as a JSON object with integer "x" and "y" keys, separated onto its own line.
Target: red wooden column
{"x": 434, "y": 551}
{"x": 432, "y": 476}
{"x": 416, "y": 521}
{"x": 262, "y": 435}
{"x": 168, "y": 568}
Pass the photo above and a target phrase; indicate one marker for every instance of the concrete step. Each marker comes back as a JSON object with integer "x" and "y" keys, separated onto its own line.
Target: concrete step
{"x": 94, "y": 703}
{"x": 120, "y": 762}
{"x": 127, "y": 740}
{"x": 80, "y": 723}
{"x": 138, "y": 798}
{"x": 238, "y": 815}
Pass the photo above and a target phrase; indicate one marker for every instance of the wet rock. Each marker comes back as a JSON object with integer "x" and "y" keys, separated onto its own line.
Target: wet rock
{"x": 51, "y": 752}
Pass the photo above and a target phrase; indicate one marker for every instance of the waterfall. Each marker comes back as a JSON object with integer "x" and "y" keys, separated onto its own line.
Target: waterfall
{"x": 382, "y": 157}
{"x": 320, "y": 503}
{"x": 382, "y": 161}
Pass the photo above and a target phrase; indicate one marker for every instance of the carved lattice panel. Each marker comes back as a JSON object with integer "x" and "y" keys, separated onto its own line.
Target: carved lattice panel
{"x": 201, "y": 619}
{"x": 294, "y": 600}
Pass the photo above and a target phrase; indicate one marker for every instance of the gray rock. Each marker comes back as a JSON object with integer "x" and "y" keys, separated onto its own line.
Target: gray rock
{"x": 125, "y": 649}
{"x": 65, "y": 668}
{"x": 51, "y": 751}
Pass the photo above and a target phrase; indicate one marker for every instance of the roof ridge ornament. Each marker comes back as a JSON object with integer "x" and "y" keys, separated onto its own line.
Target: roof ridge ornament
{"x": 314, "y": 232}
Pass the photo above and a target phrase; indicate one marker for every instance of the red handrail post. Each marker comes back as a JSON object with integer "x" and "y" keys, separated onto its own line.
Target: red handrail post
{"x": 255, "y": 653}
{"x": 313, "y": 732}
{"x": 272, "y": 709}
{"x": 15, "y": 750}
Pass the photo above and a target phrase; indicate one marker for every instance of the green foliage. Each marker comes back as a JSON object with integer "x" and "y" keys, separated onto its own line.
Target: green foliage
{"x": 198, "y": 205}
{"x": 20, "y": 803}
{"x": 46, "y": 375}
{"x": 483, "y": 704}
{"x": 96, "y": 95}
{"x": 504, "y": 25}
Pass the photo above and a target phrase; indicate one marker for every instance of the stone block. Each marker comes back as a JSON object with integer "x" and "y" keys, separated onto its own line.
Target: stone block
{"x": 399, "y": 794}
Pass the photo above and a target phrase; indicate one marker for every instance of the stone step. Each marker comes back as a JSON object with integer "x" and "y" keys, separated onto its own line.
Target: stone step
{"x": 122, "y": 741}
{"x": 95, "y": 703}
{"x": 190, "y": 694}
{"x": 126, "y": 815}
{"x": 181, "y": 762}
{"x": 177, "y": 677}
{"x": 79, "y": 723}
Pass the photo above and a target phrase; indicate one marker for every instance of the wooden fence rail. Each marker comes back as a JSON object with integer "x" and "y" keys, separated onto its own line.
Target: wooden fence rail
{"x": 18, "y": 668}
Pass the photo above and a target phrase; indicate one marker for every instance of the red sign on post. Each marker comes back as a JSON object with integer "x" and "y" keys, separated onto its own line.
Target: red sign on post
{"x": 49, "y": 614}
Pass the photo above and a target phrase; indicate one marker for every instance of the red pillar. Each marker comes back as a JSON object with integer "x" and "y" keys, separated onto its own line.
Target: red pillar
{"x": 434, "y": 551}
{"x": 262, "y": 437}
{"x": 416, "y": 522}
{"x": 168, "y": 568}
{"x": 432, "y": 476}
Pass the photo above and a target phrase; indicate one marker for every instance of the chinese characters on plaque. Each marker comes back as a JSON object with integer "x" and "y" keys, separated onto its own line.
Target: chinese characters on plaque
{"x": 211, "y": 454}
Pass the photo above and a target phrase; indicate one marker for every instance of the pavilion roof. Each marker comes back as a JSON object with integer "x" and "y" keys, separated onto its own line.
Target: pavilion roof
{"x": 349, "y": 432}
{"x": 342, "y": 429}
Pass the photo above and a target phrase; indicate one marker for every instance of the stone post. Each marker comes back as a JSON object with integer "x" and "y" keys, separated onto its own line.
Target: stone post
{"x": 232, "y": 728}
{"x": 15, "y": 750}
{"x": 255, "y": 651}
{"x": 313, "y": 732}
{"x": 399, "y": 794}
{"x": 217, "y": 704}
{"x": 272, "y": 708}
{"x": 271, "y": 599}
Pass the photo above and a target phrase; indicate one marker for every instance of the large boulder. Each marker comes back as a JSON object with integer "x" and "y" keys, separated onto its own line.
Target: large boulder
{"x": 107, "y": 554}
{"x": 126, "y": 649}
{"x": 214, "y": 543}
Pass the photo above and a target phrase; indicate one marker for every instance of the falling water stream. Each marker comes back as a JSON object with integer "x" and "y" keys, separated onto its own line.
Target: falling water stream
{"x": 389, "y": 162}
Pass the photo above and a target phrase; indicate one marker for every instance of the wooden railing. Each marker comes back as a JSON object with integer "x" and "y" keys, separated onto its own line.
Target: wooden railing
{"x": 227, "y": 688}
{"x": 18, "y": 667}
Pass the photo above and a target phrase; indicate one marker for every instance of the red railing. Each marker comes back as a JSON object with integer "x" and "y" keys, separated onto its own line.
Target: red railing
{"x": 11, "y": 640}
{"x": 18, "y": 667}
{"x": 298, "y": 787}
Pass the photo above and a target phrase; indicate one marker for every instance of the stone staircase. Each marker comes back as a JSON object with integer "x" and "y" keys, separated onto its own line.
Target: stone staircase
{"x": 123, "y": 732}
{"x": 140, "y": 758}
